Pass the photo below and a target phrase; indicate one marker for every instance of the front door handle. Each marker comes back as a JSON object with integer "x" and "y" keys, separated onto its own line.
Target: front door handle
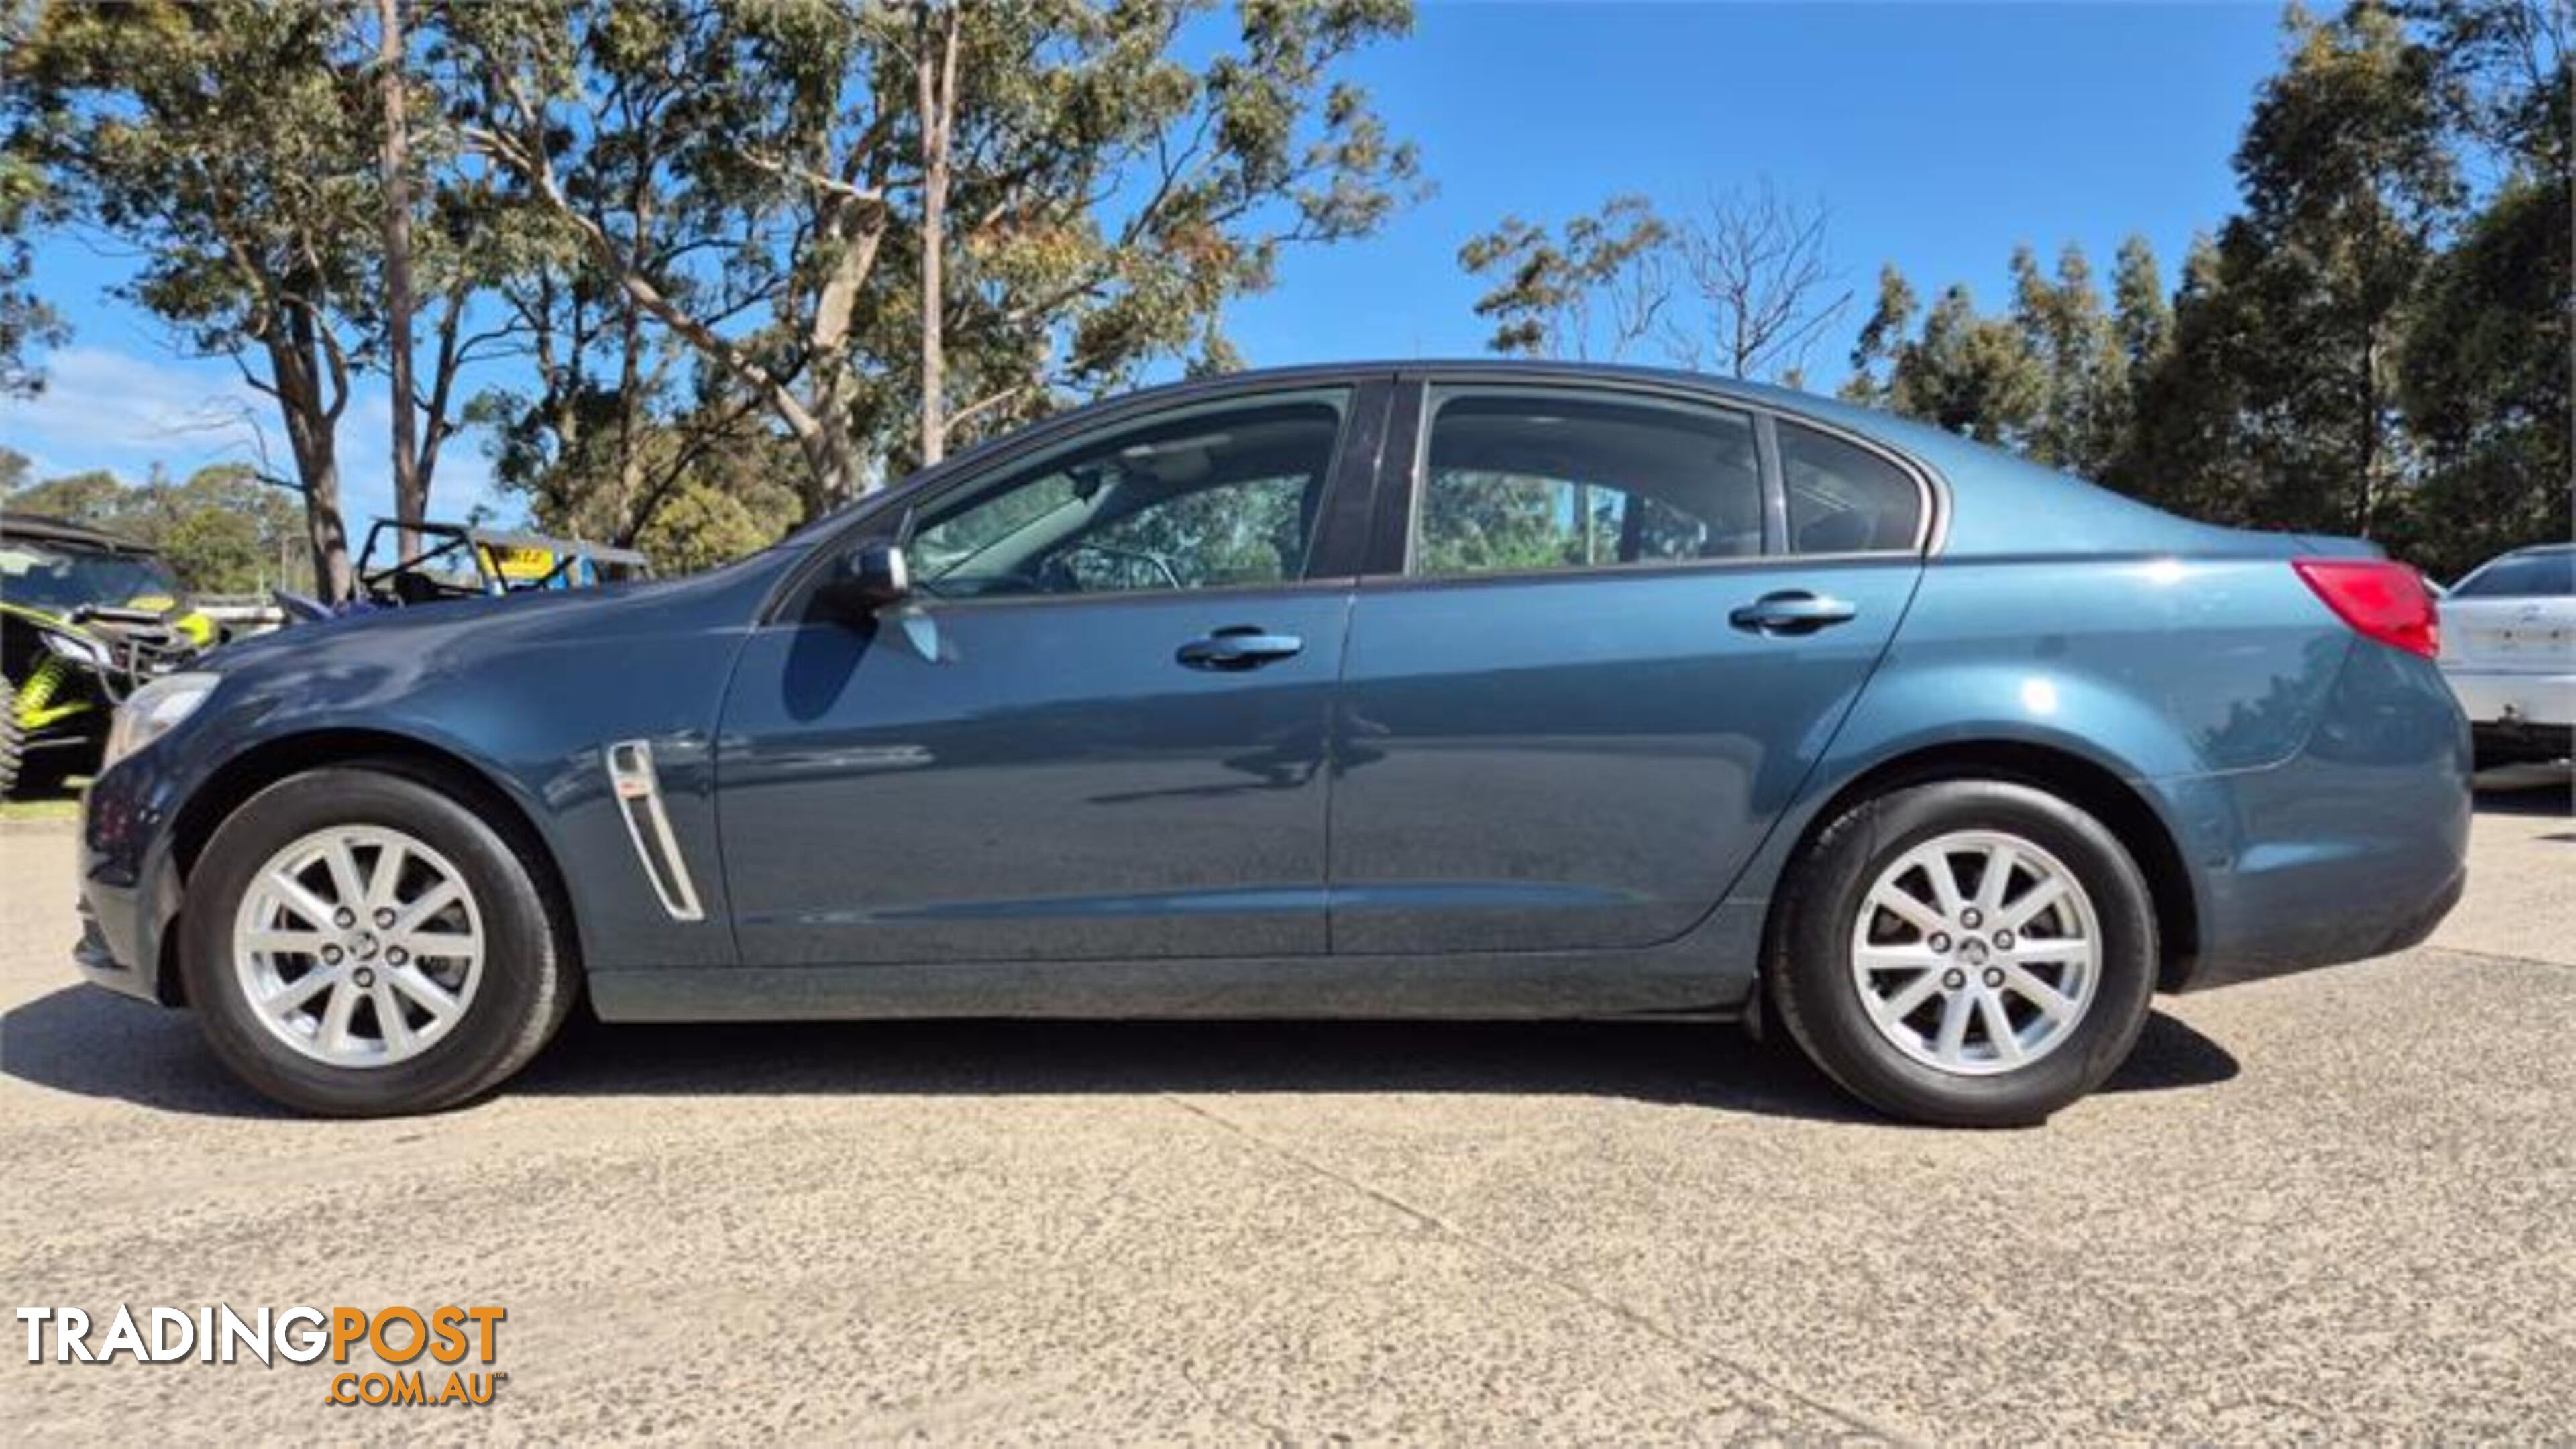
{"x": 1792, "y": 611}
{"x": 1238, "y": 647}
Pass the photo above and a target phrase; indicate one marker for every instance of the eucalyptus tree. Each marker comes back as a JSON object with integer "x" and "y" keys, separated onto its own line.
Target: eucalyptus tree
{"x": 1602, "y": 279}
{"x": 28, "y": 323}
{"x": 2483, "y": 375}
{"x": 2084, "y": 413}
{"x": 226, "y": 143}
{"x": 255, "y": 158}
{"x": 888, "y": 224}
{"x": 2348, "y": 185}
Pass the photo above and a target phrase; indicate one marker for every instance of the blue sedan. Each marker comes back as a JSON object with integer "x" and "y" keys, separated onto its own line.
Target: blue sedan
{"x": 1433, "y": 690}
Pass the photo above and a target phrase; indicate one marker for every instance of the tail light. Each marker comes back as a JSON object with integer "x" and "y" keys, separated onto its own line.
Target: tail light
{"x": 2380, "y": 599}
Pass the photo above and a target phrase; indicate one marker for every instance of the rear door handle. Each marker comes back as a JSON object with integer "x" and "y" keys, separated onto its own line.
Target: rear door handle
{"x": 1238, "y": 647}
{"x": 1792, "y": 611}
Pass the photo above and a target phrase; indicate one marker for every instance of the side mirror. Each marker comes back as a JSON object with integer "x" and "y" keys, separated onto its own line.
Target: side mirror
{"x": 870, "y": 576}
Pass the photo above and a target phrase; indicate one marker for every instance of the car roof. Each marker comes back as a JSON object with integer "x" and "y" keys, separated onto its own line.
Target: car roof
{"x": 2021, "y": 507}
{"x": 40, "y": 526}
{"x": 1523, "y": 368}
{"x": 1934, "y": 448}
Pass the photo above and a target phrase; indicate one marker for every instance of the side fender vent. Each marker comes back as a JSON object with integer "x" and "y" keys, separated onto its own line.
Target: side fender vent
{"x": 639, "y": 798}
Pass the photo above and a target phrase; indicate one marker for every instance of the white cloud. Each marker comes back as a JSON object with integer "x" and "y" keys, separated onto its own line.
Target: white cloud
{"x": 103, "y": 408}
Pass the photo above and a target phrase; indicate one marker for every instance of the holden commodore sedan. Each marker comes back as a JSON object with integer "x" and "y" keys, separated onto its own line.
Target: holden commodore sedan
{"x": 1476, "y": 690}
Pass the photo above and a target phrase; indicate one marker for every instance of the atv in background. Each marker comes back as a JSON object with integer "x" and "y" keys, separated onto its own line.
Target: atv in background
{"x": 85, "y": 616}
{"x": 461, "y": 561}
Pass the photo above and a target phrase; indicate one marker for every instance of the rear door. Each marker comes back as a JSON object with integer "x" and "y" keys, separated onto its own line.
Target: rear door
{"x": 1612, "y": 632}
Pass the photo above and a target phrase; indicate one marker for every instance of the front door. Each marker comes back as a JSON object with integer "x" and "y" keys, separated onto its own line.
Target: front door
{"x": 1626, "y": 627}
{"x": 1095, "y": 732}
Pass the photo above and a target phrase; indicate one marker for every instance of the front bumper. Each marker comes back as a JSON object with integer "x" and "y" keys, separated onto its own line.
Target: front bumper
{"x": 96, "y": 960}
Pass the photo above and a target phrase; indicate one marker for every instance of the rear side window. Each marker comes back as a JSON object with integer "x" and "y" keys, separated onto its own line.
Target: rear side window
{"x": 2527, "y": 576}
{"x": 1844, "y": 498}
{"x": 1514, "y": 482}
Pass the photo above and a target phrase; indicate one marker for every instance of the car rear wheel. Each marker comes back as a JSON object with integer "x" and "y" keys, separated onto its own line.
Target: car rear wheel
{"x": 358, "y": 943}
{"x": 1966, "y": 952}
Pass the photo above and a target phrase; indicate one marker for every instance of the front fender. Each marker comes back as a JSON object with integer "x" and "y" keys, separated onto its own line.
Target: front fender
{"x": 525, "y": 694}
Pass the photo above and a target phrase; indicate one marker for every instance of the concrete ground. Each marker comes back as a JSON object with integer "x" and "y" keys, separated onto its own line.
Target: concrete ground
{"x": 2337, "y": 1207}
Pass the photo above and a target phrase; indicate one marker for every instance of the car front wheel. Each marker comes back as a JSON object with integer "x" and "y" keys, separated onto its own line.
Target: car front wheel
{"x": 358, "y": 943}
{"x": 1966, "y": 952}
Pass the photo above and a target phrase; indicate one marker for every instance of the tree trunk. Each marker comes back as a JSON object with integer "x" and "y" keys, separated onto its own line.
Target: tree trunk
{"x": 936, "y": 72}
{"x": 411, "y": 491}
{"x": 312, "y": 434}
{"x": 831, "y": 465}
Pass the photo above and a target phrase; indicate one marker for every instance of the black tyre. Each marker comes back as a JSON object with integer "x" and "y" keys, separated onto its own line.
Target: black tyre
{"x": 1966, "y": 952}
{"x": 357, "y": 942}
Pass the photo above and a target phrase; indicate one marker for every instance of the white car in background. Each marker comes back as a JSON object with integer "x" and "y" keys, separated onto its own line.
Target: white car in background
{"x": 2509, "y": 650}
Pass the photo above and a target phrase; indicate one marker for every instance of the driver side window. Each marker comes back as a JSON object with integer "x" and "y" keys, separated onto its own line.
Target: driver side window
{"x": 1223, "y": 495}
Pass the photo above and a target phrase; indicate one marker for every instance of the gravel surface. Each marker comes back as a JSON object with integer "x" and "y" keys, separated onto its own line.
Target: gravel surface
{"x": 2338, "y": 1207}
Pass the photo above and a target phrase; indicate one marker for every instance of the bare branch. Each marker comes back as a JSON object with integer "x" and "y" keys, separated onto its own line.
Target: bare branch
{"x": 1756, "y": 264}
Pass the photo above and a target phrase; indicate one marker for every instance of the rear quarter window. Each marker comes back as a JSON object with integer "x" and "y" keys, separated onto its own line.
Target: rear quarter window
{"x": 1844, "y": 498}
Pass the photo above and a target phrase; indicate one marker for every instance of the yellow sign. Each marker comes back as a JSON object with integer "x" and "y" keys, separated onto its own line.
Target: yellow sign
{"x": 519, "y": 563}
{"x": 511, "y": 562}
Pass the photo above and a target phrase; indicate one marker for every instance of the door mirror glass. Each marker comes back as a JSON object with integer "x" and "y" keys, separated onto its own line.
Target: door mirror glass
{"x": 871, "y": 575}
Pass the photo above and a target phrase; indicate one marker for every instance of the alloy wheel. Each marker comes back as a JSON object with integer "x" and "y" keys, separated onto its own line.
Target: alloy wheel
{"x": 1976, "y": 953}
{"x": 358, "y": 946}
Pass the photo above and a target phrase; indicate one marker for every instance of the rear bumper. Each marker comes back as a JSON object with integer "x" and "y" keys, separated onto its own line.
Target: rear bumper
{"x": 2282, "y": 926}
{"x": 2524, "y": 744}
{"x": 2354, "y": 847}
{"x": 2497, "y": 699}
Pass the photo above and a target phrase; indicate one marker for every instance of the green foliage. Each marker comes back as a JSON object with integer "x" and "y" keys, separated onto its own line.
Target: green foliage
{"x": 2484, "y": 383}
{"x": 223, "y": 531}
{"x": 1236, "y": 533}
{"x": 95, "y": 497}
{"x": 226, "y": 139}
{"x": 1479, "y": 521}
{"x": 700, "y": 527}
{"x": 706, "y": 219}
{"x": 749, "y": 182}
{"x": 1548, "y": 287}
{"x": 226, "y": 143}
{"x": 1882, "y": 336}
{"x": 27, "y": 323}
{"x": 2142, "y": 314}
{"x": 2347, "y": 178}
{"x": 2359, "y": 350}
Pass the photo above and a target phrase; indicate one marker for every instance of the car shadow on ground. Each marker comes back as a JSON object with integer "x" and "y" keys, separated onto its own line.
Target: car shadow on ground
{"x": 92, "y": 1043}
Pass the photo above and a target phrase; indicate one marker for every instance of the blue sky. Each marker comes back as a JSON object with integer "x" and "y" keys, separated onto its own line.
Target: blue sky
{"x": 1938, "y": 136}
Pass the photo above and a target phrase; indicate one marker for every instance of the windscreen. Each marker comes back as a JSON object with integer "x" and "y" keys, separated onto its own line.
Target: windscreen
{"x": 58, "y": 580}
